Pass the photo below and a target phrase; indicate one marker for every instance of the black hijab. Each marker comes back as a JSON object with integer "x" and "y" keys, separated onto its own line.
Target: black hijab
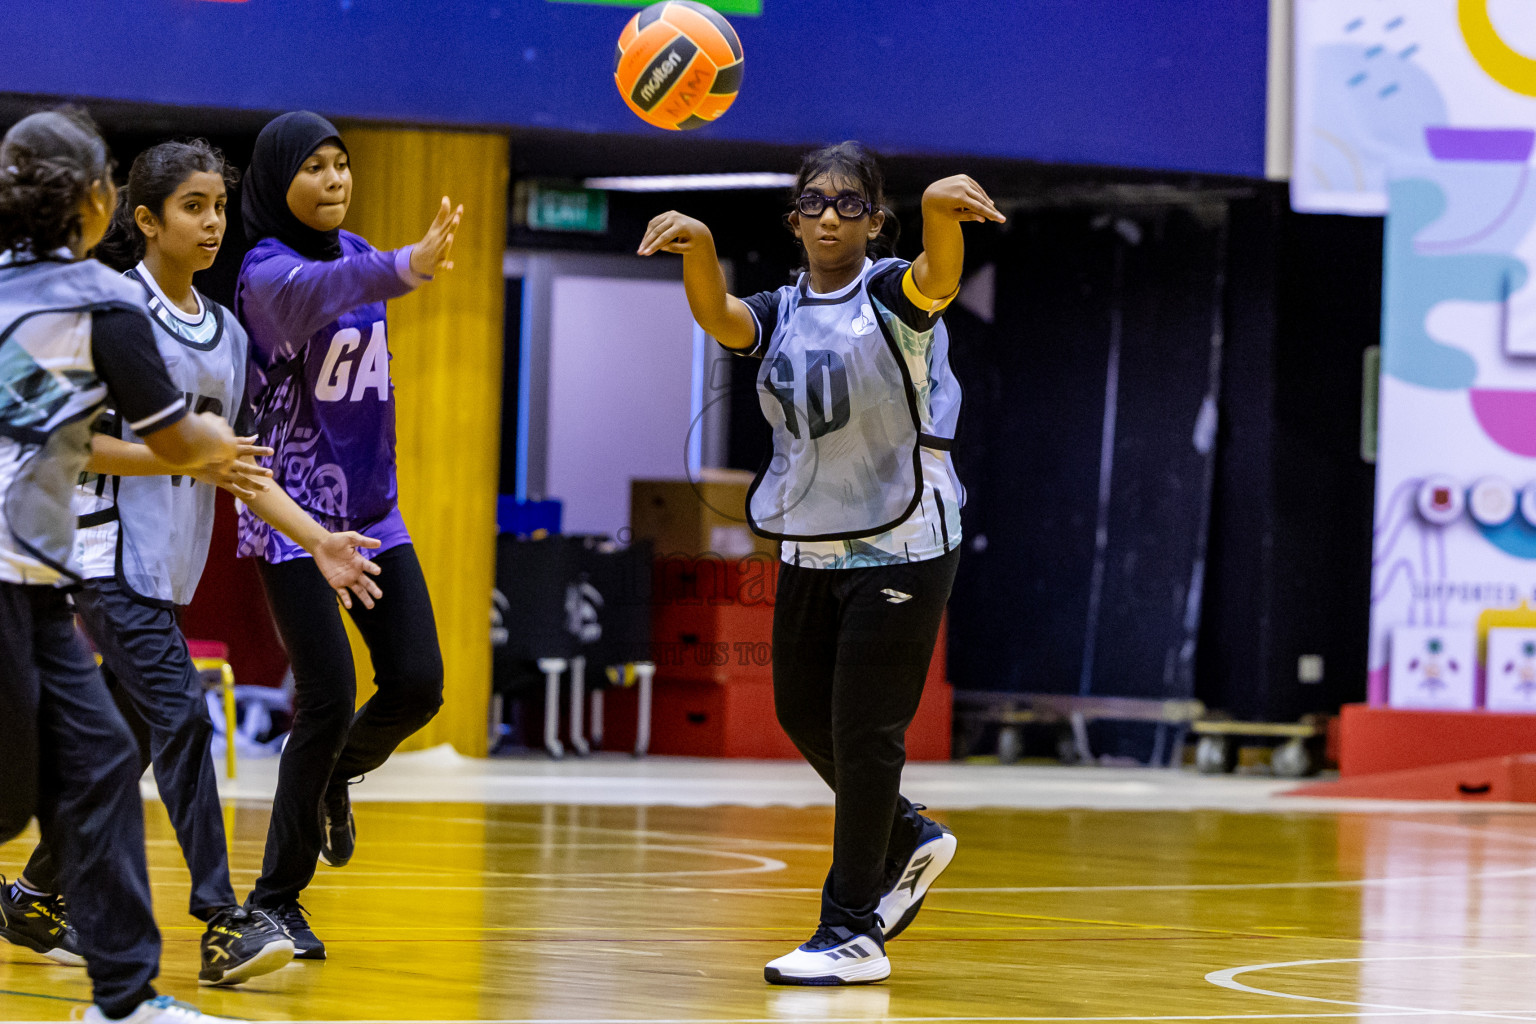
{"x": 281, "y": 149}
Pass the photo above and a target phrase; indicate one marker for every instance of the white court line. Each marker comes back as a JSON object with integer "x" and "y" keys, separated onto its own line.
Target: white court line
{"x": 756, "y": 865}
{"x": 575, "y": 826}
{"x": 883, "y": 1018}
{"x": 1228, "y": 979}
{"x": 984, "y": 890}
{"x": 1342, "y": 883}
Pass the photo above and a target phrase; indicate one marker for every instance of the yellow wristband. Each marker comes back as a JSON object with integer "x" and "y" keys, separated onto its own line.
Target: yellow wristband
{"x": 921, "y": 301}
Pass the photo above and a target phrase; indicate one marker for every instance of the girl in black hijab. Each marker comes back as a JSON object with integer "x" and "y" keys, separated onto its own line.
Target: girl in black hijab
{"x": 311, "y": 296}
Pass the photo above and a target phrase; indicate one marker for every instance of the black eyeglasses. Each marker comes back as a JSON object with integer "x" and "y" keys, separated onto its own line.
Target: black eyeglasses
{"x": 849, "y": 205}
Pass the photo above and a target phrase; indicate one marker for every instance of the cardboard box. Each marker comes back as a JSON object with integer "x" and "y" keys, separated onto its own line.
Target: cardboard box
{"x": 693, "y": 718}
{"x": 688, "y": 517}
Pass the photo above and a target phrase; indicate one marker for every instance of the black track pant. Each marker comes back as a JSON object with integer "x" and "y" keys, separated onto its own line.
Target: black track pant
{"x": 851, "y": 649}
{"x": 330, "y": 744}
{"x": 159, "y": 692}
{"x": 71, "y": 760}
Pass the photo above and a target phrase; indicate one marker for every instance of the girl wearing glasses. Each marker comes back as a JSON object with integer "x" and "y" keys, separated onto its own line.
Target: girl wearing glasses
{"x": 856, "y": 386}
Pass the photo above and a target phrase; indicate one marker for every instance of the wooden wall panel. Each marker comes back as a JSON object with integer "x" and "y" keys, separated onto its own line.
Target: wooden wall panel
{"x": 446, "y": 342}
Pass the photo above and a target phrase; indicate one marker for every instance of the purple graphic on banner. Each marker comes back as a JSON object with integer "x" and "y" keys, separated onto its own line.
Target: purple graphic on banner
{"x": 1491, "y": 145}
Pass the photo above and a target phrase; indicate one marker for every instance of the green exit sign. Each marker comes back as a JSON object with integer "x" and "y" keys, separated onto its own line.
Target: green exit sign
{"x": 556, "y": 208}
{"x": 748, "y": 7}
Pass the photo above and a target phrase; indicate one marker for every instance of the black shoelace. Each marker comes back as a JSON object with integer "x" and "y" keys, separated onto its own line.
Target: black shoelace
{"x": 290, "y": 915}
{"x": 826, "y": 937}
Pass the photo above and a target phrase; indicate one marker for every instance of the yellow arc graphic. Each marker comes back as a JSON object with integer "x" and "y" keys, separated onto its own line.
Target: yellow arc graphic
{"x": 1504, "y": 64}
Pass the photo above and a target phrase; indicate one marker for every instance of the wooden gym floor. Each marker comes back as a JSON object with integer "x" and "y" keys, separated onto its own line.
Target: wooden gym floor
{"x": 473, "y": 912}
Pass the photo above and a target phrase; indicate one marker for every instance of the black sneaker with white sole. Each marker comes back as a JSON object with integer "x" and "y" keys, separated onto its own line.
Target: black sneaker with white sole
{"x": 907, "y": 881}
{"x": 833, "y": 956}
{"x": 39, "y": 923}
{"x": 338, "y": 832}
{"x": 242, "y": 944}
{"x": 306, "y": 944}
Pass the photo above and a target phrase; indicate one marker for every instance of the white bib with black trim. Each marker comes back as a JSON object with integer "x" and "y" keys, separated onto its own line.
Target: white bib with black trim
{"x": 840, "y": 397}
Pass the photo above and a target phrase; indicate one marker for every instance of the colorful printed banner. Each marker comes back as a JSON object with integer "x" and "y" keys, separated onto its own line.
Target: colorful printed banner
{"x": 1456, "y": 470}
{"x": 1381, "y": 81}
{"x": 1422, "y": 110}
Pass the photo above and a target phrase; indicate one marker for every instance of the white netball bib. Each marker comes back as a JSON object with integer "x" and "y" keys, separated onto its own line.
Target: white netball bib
{"x": 840, "y": 397}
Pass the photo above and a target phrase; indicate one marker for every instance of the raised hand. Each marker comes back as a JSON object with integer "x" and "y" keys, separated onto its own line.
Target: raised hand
{"x": 345, "y": 569}
{"x": 673, "y": 232}
{"x": 959, "y": 198}
{"x": 431, "y": 255}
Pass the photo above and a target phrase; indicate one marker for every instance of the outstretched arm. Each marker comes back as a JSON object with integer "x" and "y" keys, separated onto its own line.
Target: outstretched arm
{"x": 284, "y": 295}
{"x": 193, "y": 442}
{"x": 948, "y": 203}
{"x": 112, "y": 456}
{"x": 722, "y": 315}
{"x": 336, "y": 555}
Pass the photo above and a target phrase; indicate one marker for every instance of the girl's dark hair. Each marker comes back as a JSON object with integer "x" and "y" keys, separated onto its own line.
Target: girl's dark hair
{"x": 155, "y": 176}
{"x": 48, "y": 163}
{"x": 854, "y": 162}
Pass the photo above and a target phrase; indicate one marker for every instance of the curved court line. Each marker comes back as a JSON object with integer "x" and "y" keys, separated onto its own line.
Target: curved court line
{"x": 1228, "y": 979}
{"x": 760, "y": 865}
{"x": 691, "y": 837}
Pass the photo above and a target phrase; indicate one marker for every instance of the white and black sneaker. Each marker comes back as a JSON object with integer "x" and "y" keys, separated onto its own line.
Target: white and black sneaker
{"x": 907, "y": 881}
{"x": 833, "y": 956}
{"x": 159, "y": 1010}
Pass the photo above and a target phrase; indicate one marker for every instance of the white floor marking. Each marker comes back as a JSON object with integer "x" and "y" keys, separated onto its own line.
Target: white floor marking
{"x": 885, "y": 1019}
{"x": 1228, "y": 979}
{"x": 687, "y": 837}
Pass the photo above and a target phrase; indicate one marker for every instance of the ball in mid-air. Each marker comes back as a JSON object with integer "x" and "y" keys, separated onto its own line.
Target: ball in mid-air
{"x": 678, "y": 64}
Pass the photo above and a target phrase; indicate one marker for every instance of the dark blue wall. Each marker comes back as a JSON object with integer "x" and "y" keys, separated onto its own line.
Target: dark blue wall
{"x": 1160, "y": 84}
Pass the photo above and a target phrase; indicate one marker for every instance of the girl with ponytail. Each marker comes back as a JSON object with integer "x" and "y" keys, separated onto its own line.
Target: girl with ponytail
{"x": 861, "y": 491}
{"x": 73, "y": 335}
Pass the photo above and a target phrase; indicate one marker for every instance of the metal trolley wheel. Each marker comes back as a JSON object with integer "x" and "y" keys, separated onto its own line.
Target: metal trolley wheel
{"x": 1215, "y": 755}
{"x": 1010, "y": 744}
{"x": 1292, "y": 759}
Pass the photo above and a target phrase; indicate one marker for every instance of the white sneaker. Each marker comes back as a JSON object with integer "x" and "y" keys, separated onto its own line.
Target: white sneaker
{"x": 833, "y": 956}
{"x": 159, "y": 1010}
{"x": 935, "y": 849}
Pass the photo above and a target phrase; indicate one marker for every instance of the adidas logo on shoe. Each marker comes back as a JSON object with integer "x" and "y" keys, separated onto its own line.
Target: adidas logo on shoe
{"x": 833, "y": 956}
{"x": 904, "y": 898}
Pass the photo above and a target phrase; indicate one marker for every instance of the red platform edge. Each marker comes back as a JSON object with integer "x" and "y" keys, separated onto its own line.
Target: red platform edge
{"x": 1509, "y": 779}
{"x": 1399, "y": 754}
{"x": 1373, "y": 740}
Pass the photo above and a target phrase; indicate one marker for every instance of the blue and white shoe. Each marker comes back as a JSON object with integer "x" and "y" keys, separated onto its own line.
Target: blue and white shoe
{"x": 159, "y": 1010}
{"x": 909, "y": 881}
{"x": 833, "y": 956}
